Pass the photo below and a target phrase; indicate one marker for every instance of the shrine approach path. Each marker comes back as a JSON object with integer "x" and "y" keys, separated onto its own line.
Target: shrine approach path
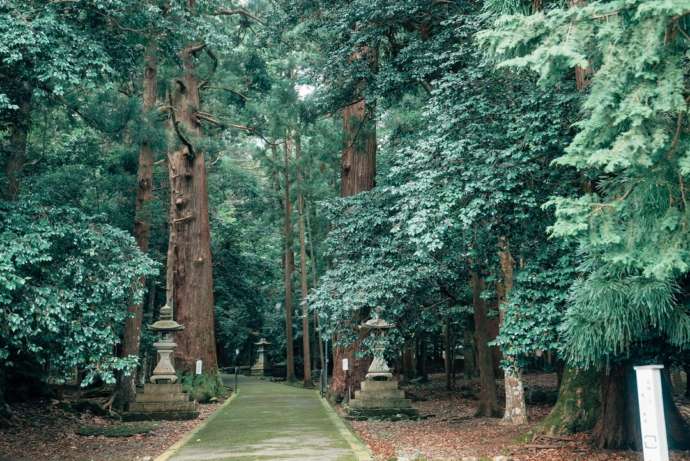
{"x": 272, "y": 421}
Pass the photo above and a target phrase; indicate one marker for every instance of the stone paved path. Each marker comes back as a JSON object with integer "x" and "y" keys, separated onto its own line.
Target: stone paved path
{"x": 270, "y": 421}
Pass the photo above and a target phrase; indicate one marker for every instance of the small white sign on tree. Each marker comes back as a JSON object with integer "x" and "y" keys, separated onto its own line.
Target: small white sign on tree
{"x": 652, "y": 421}
{"x": 346, "y": 364}
{"x": 199, "y": 365}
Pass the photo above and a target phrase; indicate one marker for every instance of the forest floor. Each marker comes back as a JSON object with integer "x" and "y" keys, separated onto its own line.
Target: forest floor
{"x": 453, "y": 433}
{"x": 43, "y": 430}
{"x": 268, "y": 416}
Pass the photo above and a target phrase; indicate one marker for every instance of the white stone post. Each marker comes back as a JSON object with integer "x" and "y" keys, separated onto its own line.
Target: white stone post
{"x": 652, "y": 420}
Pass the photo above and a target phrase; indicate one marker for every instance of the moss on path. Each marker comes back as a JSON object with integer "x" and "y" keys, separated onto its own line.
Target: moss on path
{"x": 269, "y": 421}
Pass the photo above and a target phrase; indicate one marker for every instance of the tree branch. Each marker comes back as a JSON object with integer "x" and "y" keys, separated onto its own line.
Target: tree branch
{"x": 179, "y": 133}
{"x": 239, "y": 12}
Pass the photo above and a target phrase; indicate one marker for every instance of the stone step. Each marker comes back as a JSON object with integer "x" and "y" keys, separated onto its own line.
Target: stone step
{"x": 379, "y": 385}
{"x": 162, "y": 397}
{"x": 151, "y": 388}
{"x": 385, "y": 394}
{"x": 143, "y": 407}
{"x": 380, "y": 403}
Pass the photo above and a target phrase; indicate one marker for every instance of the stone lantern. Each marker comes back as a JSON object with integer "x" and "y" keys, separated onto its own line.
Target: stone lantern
{"x": 163, "y": 398}
{"x": 262, "y": 365}
{"x": 166, "y": 326}
{"x": 378, "y": 370}
{"x": 380, "y": 396}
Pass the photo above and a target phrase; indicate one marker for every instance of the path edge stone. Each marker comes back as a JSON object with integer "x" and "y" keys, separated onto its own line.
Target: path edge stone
{"x": 360, "y": 449}
{"x": 170, "y": 452}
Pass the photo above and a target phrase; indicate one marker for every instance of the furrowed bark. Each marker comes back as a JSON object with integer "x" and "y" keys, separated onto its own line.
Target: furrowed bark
{"x": 189, "y": 255}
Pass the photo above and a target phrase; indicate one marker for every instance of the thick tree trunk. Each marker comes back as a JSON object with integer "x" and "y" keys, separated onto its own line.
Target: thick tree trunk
{"x": 306, "y": 345}
{"x": 142, "y": 225}
{"x": 488, "y": 402}
{"x": 289, "y": 265}
{"x": 189, "y": 256}
{"x": 358, "y": 173}
{"x": 358, "y": 162}
{"x": 516, "y": 408}
{"x": 578, "y": 404}
{"x": 618, "y": 426}
{"x": 18, "y": 127}
{"x": 677, "y": 427}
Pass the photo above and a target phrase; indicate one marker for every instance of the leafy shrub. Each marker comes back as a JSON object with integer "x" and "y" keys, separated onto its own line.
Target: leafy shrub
{"x": 66, "y": 280}
{"x": 203, "y": 388}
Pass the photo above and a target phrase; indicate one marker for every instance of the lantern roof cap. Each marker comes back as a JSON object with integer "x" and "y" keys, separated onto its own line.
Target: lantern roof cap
{"x": 376, "y": 322}
{"x": 165, "y": 322}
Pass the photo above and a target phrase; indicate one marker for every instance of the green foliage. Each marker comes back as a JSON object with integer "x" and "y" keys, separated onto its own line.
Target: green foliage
{"x": 204, "y": 387}
{"x": 633, "y": 226}
{"x": 533, "y": 318}
{"x": 65, "y": 285}
{"x": 246, "y": 252}
{"x": 476, "y": 146}
{"x": 459, "y": 169}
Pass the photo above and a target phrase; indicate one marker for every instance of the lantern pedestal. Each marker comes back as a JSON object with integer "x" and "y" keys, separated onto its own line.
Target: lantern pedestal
{"x": 381, "y": 400}
{"x": 161, "y": 402}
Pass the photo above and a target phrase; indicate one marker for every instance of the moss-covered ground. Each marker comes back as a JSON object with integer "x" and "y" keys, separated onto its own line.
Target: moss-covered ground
{"x": 269, "y": 421}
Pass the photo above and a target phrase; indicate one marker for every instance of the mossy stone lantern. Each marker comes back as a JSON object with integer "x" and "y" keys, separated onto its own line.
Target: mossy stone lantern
{"x": 379, "y": 396}
{"x": 262, "y": 365}
{"x": 166, "y": 326}
{"x": 378, "y": 370}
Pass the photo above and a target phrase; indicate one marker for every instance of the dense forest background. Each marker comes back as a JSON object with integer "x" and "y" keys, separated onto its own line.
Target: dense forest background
{"x": 504, "y": 179}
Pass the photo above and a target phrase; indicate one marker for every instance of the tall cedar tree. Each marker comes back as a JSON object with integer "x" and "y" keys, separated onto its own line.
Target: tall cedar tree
{"x": 304, "y": 284}
{"x": 358, "y": 174}
{"x": 190, "y": 268}
{"x": 288, "y": 264}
